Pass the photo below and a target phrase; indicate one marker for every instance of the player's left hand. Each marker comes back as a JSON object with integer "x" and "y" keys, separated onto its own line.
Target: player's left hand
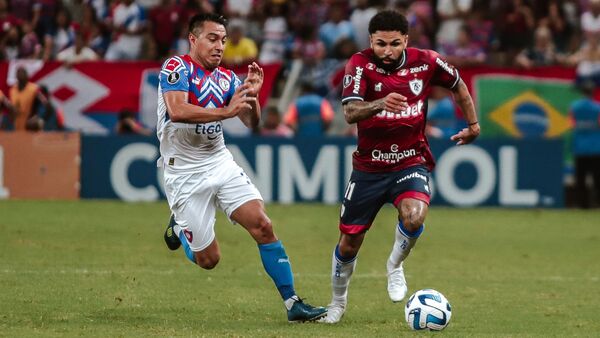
{"x": 254, "y": 79}
{"x": 467, "y": 135}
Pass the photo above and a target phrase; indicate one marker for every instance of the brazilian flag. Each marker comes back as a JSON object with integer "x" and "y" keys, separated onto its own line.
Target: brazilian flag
{"x": 523, "y": 107}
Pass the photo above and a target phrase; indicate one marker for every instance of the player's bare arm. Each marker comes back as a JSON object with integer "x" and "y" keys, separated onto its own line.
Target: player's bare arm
{"x": 180, "y": 110}
{"x": 465, "y": 102}
{"x": 355, "y": 111}
{"x": 254, "y": 80}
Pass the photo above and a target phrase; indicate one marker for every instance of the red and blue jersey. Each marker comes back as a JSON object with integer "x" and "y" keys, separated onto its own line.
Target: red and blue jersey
{"x": 193, "y": 144}
{"x": 392, "y": 141}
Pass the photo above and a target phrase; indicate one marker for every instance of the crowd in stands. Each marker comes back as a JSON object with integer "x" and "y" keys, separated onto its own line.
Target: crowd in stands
{"x": 500, "y": 32}
{"x": 321, "y": 34}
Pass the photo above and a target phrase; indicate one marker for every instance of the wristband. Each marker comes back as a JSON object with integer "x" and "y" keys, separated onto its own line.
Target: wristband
{"x": 470, "y": 124}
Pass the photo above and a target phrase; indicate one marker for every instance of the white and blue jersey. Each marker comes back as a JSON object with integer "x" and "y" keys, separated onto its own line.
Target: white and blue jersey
{"x": 188, "y": 146}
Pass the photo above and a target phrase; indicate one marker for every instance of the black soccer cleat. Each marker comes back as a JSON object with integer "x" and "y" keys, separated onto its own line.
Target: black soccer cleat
{"x": 302, "y": 312}
{"x": 171, "y": 238}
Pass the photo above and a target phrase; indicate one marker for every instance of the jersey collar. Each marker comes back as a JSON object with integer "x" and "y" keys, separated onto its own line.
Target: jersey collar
{"x": 403, "y": 62}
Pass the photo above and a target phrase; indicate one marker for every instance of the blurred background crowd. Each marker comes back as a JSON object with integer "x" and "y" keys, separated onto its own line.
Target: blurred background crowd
{"x": 522, "y": 33}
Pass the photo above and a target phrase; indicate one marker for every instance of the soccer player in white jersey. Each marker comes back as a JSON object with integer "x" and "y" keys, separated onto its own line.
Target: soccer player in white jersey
{"x": 200, "y": 175}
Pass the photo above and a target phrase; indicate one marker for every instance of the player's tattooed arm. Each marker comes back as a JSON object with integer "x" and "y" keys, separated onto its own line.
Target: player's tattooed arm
{"x": 355, "y": 111}
{"x": 465, "y": 102}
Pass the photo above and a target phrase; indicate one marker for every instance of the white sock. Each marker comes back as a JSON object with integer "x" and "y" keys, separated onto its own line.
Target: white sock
{"x": 340, "y": 278}
{"x": 402, "y": 246}
{"x": 290, "y": 302}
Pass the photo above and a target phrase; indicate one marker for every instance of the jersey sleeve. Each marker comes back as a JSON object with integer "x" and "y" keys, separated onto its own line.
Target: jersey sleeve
{"x": 354, "y": 82}
{"x": 174, "y": 75}
{"x": 444, "y": 74}
{"x": 234, "y": 83}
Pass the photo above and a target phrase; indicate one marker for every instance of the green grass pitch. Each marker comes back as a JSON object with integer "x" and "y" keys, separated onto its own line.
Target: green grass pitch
{"x": 100, "y": 268}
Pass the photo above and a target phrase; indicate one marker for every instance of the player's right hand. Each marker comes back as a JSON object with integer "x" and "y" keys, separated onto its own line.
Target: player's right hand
{"x": 395, "y": 102}
{"x": 240, "y": 101}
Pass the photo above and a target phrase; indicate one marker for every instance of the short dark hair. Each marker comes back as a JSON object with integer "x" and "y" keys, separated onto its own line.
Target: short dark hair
{"x": 387, "y": 21}
{"x": 199, "y": 19}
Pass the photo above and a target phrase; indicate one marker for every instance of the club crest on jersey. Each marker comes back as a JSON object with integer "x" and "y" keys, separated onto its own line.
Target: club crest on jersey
{"x": 416, "y": 86}
{"x": 347, "y": 80}
{"x": 224, "y": 84}
{"x": 173, "y": 77}
{"x": 378, "y": 87}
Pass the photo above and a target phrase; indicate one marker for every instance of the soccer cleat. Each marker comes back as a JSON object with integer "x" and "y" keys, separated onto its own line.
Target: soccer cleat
{"x": 171, "y": 238}
{"x": 335, "y": 312}
{"x": 397, "y": 284}
{"x": 303, "y": 312}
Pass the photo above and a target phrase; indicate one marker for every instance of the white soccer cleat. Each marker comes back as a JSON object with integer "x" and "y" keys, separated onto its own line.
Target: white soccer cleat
{"x": 397, "y": 287}
{"x": 335, "y": 311}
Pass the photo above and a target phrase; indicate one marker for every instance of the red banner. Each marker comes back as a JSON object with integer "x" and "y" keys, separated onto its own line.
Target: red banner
{"x": 89, "y": 89}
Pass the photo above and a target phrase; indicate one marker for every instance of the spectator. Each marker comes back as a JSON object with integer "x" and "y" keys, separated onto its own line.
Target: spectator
{"x": 9, "y": 44}
{"x": 515, "y": 24}
{"x": 275, "y": 32}
{"x": 585, "y": 114}
{"x": 272, "y": 125}
{"x": 359, "y": 19}
{"x": 555, "y": 19}
{"x": 336, "y": 28}
{"x": 48, "y": 117}
{"x": 308, "y": 47}
{"x": 590, "y": 20}
{"x": 310, "y": 115}
{"x": 587, "y": 60}
{"x": 465, "y": 52}
{"x": 7, "y": 19}
{"x": 128, "y": 28}
{"x": 77, "y": 53}
{"x": 165, "y": 20}
{"x": 30, "y": 47}
{"x": 23, "y": 95}
{"x": 60, "y": 37}
{"x": 127, "y": 125}
{"x": 452, "y": 14}
{"x": 542, "y": 53}
{"x": 10, "y": 111}
{"x": 239, "y": 49}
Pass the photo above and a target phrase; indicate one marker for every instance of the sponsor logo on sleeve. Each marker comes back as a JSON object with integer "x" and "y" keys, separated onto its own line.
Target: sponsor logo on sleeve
{"x": 357, "y": 78}
{"x": 173, "y": 77}
{"x": 444, "y": 66}
{"x": 347, "y": 80}
{"x": 172, "y": 65}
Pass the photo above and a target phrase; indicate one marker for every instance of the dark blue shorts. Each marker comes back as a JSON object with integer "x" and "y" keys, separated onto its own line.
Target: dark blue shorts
{"x": 366, "y": 193}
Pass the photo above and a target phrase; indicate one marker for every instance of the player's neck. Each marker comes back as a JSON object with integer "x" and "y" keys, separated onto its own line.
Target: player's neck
{"x": 199, "y": 62}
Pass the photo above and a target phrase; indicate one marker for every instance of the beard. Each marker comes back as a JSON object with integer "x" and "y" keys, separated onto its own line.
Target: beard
{"x": 388, "y": 67}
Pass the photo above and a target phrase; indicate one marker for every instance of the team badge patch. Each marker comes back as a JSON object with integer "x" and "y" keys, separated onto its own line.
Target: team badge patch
{"x": 416, "y": 86}
{"x": 224, "y": 84}
{"x": 378, "y": 87}
{"x": 173, "y": 77}
{"x": 347, "y": 80}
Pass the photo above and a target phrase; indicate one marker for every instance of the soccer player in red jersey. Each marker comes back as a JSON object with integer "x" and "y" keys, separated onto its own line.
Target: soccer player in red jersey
{"x": 385, "y": 94}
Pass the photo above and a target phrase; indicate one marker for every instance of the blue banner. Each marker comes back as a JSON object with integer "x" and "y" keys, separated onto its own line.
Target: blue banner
{"x": 519, "y": 173}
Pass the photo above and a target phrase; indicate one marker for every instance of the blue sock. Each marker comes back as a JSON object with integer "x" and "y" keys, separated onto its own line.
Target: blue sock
{"x": 186, "y": 248}
{"x": 340, "y": 258}
{"x": 278, "y": 266}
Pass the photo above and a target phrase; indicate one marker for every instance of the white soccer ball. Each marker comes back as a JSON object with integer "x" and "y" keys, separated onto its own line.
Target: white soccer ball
{"x": 427, "y": 309}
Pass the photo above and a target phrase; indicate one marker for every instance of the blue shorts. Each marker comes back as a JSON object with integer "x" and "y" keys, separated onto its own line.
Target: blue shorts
{"x": 368, "y": 192}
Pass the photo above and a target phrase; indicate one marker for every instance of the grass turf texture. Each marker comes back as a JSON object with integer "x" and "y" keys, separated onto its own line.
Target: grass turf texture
{"x": 100, "y": 268}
